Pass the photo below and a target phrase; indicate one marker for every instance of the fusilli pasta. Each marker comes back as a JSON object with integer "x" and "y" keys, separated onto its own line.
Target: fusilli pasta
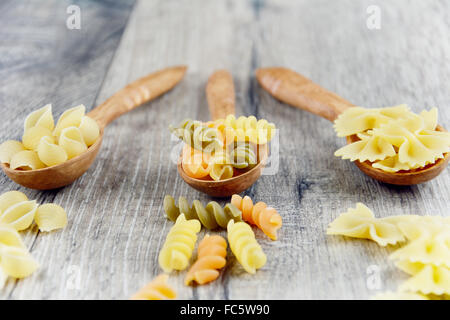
{"x": 212, "y": 216}
{"x": 157, "y": 289}
{"x": 265, "y": 218}
{"x": 198, "y": 135}
{"x": 212, "y": 251}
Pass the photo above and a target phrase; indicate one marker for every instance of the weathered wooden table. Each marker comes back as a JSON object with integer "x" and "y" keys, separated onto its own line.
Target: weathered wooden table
{"x": 116, "y": 222}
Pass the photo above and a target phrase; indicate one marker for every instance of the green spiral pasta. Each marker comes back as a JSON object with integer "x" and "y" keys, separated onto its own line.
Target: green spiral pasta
{"x": 243, "y": 156}
{"x": 212, "y": 216}
{"x": 198, "y": 135}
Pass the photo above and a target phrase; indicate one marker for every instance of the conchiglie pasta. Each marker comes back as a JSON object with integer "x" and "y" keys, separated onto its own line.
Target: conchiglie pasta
{"x": 72, "y": 141}
{"x": 8, "y": 149}
{"x": 26, "y": 160}
{"x": 89, "y": 130}
{"x": 32, "y": 137}
{"x": 70, "y": 118}
{"x": 42, "y": 118}
{"x": 17, "y": 262}
{"x": 50, "y": 217}
{"x": 20, "y": 215}
{"x": 10, "y": 237}
{"x": 11, "y": 198}
{"x": 50, "y": 153}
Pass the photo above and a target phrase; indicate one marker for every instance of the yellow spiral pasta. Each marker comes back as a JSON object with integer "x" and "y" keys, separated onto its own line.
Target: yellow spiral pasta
{"x": 212, "y": 216}
{"x": 195, "y": 163}
{"x": 40, "y": 118}
{"x": 265, "y": 218}
{"x": 221, "y": 167}
{"x": 8, "y": 149}
{"x": 70, "y": 118}
{"x": 212, "y": 251}
{"x": 72, "y": 141}
{"x": 50, "y": 153}
{"x": 179, "y": 244}
{"x": 245, "y": 247}
{"x": 26, "y": 160}
{"x": 50, "y": 217}
{"x": 157, "y": 289}
{"x": 246, "y": 129}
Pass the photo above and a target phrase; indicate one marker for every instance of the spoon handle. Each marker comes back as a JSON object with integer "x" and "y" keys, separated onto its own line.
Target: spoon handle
{"x": 294, "y": 89}
{"x": 137, "y": 93}
{"x": 220, "y": 94}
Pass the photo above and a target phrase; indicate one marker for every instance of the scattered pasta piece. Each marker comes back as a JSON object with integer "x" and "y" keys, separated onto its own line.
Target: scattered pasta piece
{"x": 157, "y": 289}
{"x": 50, "y": 217}
{"x": 10, "y": 237}
{"x": 212, "y": 251}
{"x": 245, "y": 247}
{"x": 8, "y": 149}
{"x": 428, "y": 279}
{"x": 361, "y": 223}
{"x": 179, "y": 244}
{"x": 72, "y": 141}
{"x": 265, "y": 218}
{"x": 17, "y": 262}
{"x": 212, "y": 216}
{"x": 20, "y": 215}
{"x": 10, "y": 198}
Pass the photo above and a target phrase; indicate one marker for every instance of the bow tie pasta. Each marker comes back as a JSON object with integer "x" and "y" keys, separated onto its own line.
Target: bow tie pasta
{"x": 45, "y": 145}
{"x": 393, "y": 139}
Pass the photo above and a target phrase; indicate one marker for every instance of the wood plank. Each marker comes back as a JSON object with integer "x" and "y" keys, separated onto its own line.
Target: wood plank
{"x": 116, "y": 222}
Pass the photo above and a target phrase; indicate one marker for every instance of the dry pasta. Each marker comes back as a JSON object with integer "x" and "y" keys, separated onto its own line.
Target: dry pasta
{"x": 89, "y": 130}
{"x": 157, "y": 289}
{"x": 40, "y": 118}
{"x": 10, "y": 237}
{"x": 26, "y": 160}
{"x": 361, "y": 223}
{"x": 212, "y": 251}
{"x": 198, "y": 135}
{"x": 195, "y": 163}
{"x": 8, "y": 149}
{"x": 179, "y": 244}
{"x": 32, "y": 137}
{"x": 426, "y": 278}
{"x": 11, "y": 198}
{"x": 221, "y": 169}
{"x": 17, "y": 262}
{"x": 265, "y": 218}
{"x": 70, "y": 118}
{"x": 212, "y": 216}
{"x": 50, "y": 153}
{"x": 50, "y": 217}
{"x": 245, "y": 247}
{"x": 20, "y": 215}
{"x": 71, "y": 140}
{"x": 243, "y": 156}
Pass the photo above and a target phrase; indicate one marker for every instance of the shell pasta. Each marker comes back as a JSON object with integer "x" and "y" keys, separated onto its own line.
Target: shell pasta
{"x": 45, "y": 145}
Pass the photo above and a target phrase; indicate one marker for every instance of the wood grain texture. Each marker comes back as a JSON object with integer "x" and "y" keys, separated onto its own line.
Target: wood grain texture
{"x": 116, "y": 222}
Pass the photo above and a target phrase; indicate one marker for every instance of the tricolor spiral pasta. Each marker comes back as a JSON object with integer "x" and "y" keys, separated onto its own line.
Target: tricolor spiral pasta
{"x": 221, "y": 168}
{"x": 246, "y": 129}
{"x": 212, "y": 251}
{"x": 157, "y": 289}
{"x": 245, "y": 247}
{"x": 195, "y": 163}
{"x": 243, "y": 156}
{"x": 212, "y": 216}
{"x": 265, "y": 218}
{"x": 198, "y": 135}
{"x": 44, "y": 145}
{"x": 179, "y": 244}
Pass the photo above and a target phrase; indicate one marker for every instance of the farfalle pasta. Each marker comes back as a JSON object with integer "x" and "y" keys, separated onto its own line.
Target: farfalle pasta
{"x": 157, "y": 289}
{"x": 426, "y": 278}
{"x": 360, "y": 222}
{"x": 245, "y": 247}
{"x": 212, "y": 251}
{"x": 265, "y": 218}
{"x": 45, "y": 145}
{"x": 211, "y": 216}
{"x": 392, "y": 139}
{"x": 179, "y": 244}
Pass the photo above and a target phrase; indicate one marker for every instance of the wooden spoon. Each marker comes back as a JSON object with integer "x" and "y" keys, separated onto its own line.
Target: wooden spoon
{"x": 221, "y": 102}
{"x": 127, "y": 99}
{"x": 300, "y": 92}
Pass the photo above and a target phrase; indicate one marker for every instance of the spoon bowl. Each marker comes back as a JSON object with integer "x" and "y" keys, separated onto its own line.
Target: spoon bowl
{"x": 133, "y": 95}
{"x": 300, "y": 92}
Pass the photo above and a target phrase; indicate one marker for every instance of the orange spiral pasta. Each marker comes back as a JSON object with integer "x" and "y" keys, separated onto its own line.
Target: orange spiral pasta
{"x": 156, "y": 290}
{"x": 265, "y": 218}
{"x": 195, "y": 163}
{"x": 212, "y": 251}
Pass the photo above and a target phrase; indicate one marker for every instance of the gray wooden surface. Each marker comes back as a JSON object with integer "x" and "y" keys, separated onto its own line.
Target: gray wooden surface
{"x": 116, "y": 223}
